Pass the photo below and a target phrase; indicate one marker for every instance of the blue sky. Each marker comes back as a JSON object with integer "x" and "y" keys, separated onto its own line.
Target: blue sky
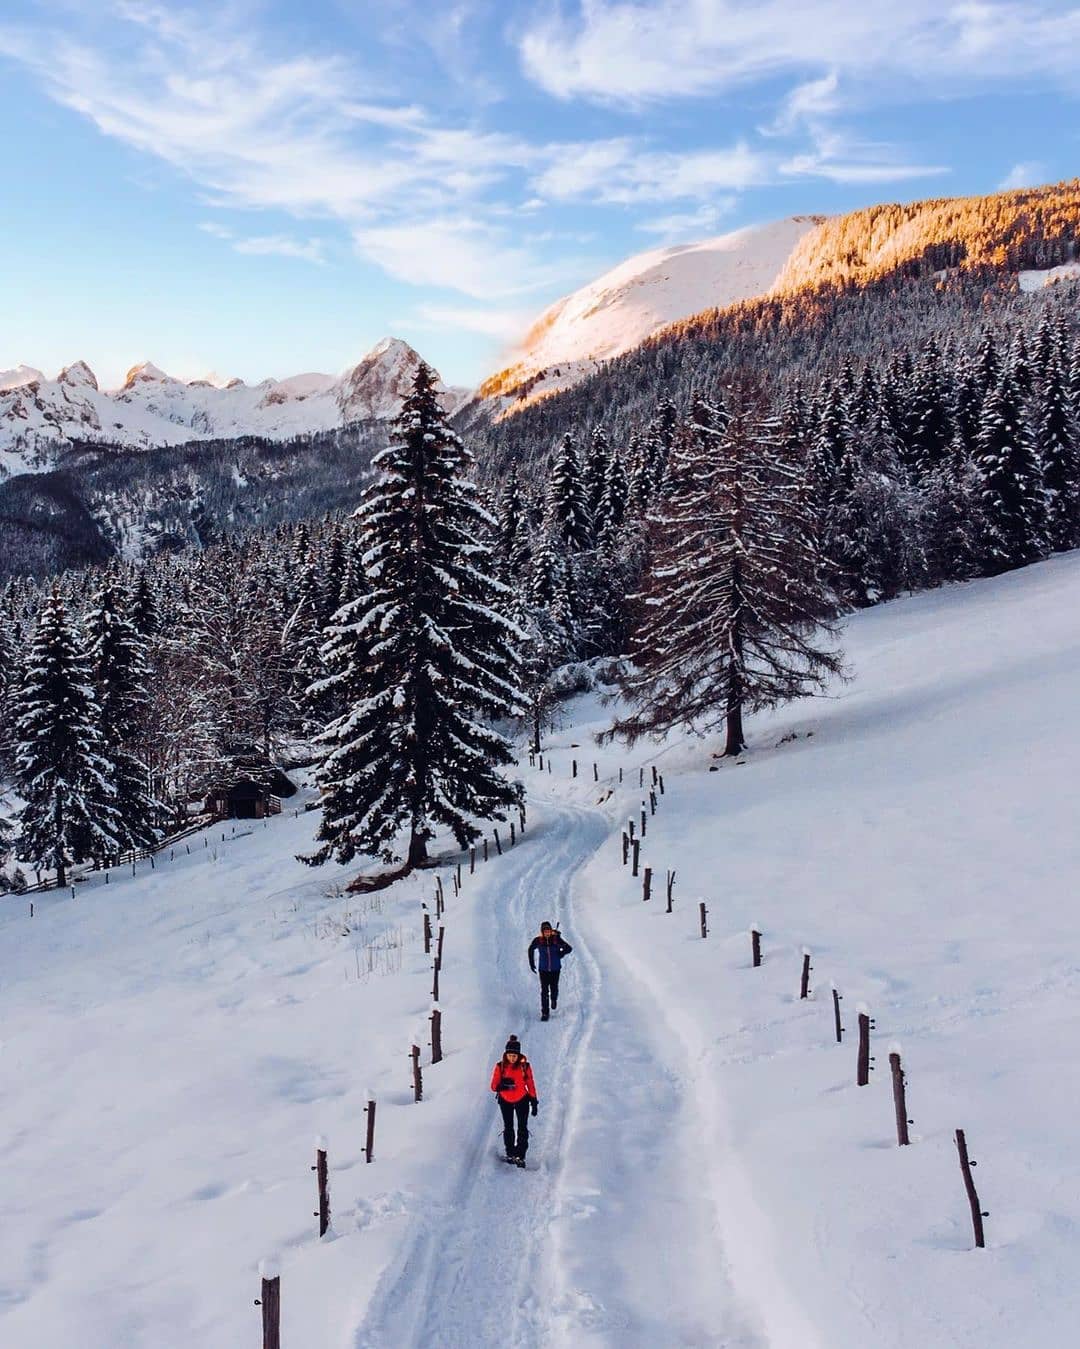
{"x": 262, "y": 187}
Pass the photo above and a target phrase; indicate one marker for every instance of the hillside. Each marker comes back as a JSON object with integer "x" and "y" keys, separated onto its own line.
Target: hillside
{"x": 628, "y": 304}
{"x": 704, "y": 1169}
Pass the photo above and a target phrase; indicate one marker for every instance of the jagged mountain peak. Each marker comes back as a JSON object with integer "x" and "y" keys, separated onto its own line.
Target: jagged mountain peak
{"x": 20, "y": 375}
{"x": 77, "y": 375}
{"x": 147, "y": 372}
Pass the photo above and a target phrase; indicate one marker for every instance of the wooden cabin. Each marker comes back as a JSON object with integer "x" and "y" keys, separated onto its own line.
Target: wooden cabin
{"x": 249, "y": 788}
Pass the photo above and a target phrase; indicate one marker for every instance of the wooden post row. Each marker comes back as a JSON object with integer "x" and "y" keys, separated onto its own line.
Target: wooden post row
{"x": 646, "y": 884}
{"x": 498, "y": 845}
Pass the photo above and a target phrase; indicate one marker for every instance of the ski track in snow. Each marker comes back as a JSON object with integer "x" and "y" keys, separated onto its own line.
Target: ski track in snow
{"x": 554, "y": 1255}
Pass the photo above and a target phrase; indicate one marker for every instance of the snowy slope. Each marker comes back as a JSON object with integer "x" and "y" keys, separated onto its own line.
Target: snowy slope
{"x": 619, "y": 310}
{"x": 705, "y": 1170}
{"x": 152, "y": 408}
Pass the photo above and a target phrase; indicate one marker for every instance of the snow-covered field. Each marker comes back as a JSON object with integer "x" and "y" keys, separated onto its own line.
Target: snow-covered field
{"x": 704, "y": 1170}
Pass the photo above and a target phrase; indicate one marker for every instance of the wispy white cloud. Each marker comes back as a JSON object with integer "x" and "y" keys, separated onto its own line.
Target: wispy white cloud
{"x": 504, "y": 324}
{"x": 280, "y": 245}
{"x": 689, "y": 224}
{"x": 633, "y": 50}
{"x": 622, "y": 172}
{"x": 1028, "y": 173}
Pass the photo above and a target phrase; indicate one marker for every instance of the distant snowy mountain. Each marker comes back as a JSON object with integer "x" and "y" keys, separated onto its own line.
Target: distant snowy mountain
{"x": 622, "y": 308}
{"x": 39, "y": 417}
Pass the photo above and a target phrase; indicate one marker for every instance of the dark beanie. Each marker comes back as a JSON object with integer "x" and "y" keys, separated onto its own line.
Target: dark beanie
{"x": 546, "y": 926}
{"x": 513, "y": 1045}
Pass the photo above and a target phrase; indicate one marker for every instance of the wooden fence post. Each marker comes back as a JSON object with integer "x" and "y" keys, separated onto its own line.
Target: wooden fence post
{"x": 549, "y": 765}
{"x": 573, "y": 768}
{"x": 541, "y": 763}
{"x": 322, "y": 1176}
{"x": 977, "y": 1213}
{"x": 595, "y": 773}
{"x": 435, "y": 983}
{"x": 459, "y": 873}
{"x": 417, "y": 1077}
{"x": 630, "y": 829}
{"x": 369, "y": 1142}
{"x": 703, "y": 911}
{"x": 865, "y": 1058}
{"x": 641, "y": 777}
{"x": 485, "y": 850}
{"x": 637, "y": 853}
{"x": 270, "y": 1302}
{"x": 472, "y": 859}
{"x": 498, "y": 845}
{"x": 427, "y": 932}
{"x": 625, "y": 847}
{"x": 804, "y": 982}
{"x": 436, "y": 1035}
{"x": 522, "y": 819}
{"x": 836, "y": 995}
{"x": 513, "y": 837}
{"x": 643, "y": 817}
{"x": 439, "y": 946}
{"x": 646, "y": 885}
{"x": 620, "y": 774}
{"x": 899, "y": 1096}
{"x": 652, "y": 803}
{"x": 660, "y": 784}
{"x": 654, "y": 775}
{"x": 755, "y": 946}
{"x": 670, "y": 889}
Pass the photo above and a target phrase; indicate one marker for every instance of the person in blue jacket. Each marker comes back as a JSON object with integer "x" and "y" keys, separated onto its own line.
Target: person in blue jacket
{"x": 547, "y": 951}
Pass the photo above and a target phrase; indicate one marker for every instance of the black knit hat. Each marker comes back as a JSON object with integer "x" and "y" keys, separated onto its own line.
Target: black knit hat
{"x": 545, "y": 926}
{"x": 513, "y": 1045}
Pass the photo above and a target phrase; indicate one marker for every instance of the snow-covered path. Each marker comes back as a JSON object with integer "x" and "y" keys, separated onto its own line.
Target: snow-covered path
{"x": 558, "y": 1255}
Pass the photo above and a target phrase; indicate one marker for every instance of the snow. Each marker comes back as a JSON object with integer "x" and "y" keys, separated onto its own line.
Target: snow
{"x": 1035, "y": 279}
{"x": 152, "y": 408}
{"x": 620, "y": 309}
{"x": 703, "y": 1169}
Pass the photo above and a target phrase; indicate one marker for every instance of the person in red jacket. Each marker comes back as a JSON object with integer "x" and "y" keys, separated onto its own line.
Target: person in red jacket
{"x": 514, "y": 1088}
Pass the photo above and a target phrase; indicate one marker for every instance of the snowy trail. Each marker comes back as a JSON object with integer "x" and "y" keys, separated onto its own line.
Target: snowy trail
{"x": 605, "y": 1240}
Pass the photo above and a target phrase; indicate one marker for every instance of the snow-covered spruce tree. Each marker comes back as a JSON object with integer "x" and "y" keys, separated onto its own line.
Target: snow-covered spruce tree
{"x": 1059, "y": 456}
{"x": 568, "y": 519}
{"x": 119, "y": 670}
{"x": 69, "y": 812}
{"x": 1012, "y": 500}
{"x": 735, "y": 608}
{"x": 11, "y": 876}
{"x": 411, "y": 751}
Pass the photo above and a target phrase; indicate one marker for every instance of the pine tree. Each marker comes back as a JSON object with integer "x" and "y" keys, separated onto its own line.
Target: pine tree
{"x": 411, "y": 751}
{"x": 1012, "y": 519}
{"x": 568, "y": 518}
{"x": 61, "y": 774}
{"x": 512, "y": 551}
{"x": 614, "y": 499}
{"x": 595, "y": 472}
{"x": 118, "y": 666}
{"x": 734, "y": 602}
{"x": 1059, "y": 455}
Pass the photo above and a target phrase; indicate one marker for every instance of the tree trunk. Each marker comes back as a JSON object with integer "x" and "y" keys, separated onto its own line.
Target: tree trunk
{"x": 58, "y": 824}
{"x": 735, "y": 743}
{"x": 418, "y": 853}
{"x": 536, "y": 727}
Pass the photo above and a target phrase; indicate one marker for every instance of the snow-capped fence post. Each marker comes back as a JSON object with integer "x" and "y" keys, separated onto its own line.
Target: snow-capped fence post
{"x": 755, "y": 946}
{"x": 641, "y": 777}
{"x": 498, "y": 845}
{"x": 670, "y": 889}
{"x": 436, "y": 1035}
{"x": 323, "y": 1178}
{"x": 646, "y": 885}
{"x": 31, "y": 908}
{"x": 836, "y": 996}
{"x": 620, "y": 774}
{"x": 369, "y": 1141}
{"x": 643, "y": 819}
{"x": 660, "y": 783}
{"x": 637, "y": 854}
{"x": 270, "y": 1302}
{"x": 549, "y": 765}
{"x": 625, "y": 847}
{"x": 977, "y": 1213}
{"x": 427, "y": 932}
{"x": 704, "y": 915}
{"x": 865, "y": 1059}
{"x": 630, "y": 829}
{"x": 804, "y": 982}
{"x": 899, "y": 1096}
{"x": 417, "y": 1077}
{"x": 541, "y": 763}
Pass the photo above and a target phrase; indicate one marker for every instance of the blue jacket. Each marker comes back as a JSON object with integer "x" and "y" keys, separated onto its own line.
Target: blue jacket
{"x": 550, "y": 950}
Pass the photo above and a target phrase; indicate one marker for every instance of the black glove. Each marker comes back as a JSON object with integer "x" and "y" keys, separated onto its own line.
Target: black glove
{"x": 533, "y": 1104}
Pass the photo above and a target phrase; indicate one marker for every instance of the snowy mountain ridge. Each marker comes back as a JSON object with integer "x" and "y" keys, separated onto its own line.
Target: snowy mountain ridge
{"x": 645, "y": 293}
{"x": 39, "y": 416}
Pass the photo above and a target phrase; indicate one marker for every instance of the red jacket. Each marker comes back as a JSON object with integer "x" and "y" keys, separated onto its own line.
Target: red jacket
{"x": 520, "y": 1075}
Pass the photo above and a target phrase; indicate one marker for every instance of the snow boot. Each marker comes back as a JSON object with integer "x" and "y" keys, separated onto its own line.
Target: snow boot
{"x": 521, "y": 1162}
{"x": 544, "y": 1016}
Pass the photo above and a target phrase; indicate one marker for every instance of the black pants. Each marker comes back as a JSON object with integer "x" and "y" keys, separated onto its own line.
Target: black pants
{"x": 549, "y": 988}
{"x": 520, "y": 1109}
